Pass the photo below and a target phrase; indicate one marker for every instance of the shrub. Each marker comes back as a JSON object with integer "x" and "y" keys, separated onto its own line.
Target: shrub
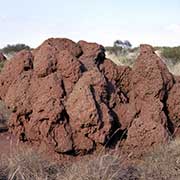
{"x": 14, "y": 48}
{"x": 114, "y": 50}
{"x": 172, "y": 53}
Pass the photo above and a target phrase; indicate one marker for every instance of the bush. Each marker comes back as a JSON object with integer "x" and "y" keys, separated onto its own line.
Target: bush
{"x": 172, "y": 53}
{"x": 114, "y": 50}
{"x": 14, "y": 48}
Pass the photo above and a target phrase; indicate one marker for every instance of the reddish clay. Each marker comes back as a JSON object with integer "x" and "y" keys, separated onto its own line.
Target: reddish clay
{"x": 67, "y": 98}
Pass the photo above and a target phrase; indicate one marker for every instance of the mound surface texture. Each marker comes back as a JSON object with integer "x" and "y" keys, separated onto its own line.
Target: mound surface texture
{"x": 68, "y": 98}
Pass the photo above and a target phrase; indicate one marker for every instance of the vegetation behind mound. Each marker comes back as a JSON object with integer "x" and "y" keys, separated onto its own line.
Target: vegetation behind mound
{"x": 124, "y": 56}
{"x": 14, "y": 48}
{"x": 172, "y": 53}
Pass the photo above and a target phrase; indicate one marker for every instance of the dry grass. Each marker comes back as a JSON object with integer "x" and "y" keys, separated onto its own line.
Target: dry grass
{"x": 163, "y": 163}
{"x": 105, "y": 167}
{"x": 26, "y": 164}
{"x": 123, "y": 59}
{"x": 176, "y": 69}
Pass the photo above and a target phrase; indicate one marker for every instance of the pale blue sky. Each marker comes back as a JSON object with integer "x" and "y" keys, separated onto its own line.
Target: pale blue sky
{"x": 156, "y": 22}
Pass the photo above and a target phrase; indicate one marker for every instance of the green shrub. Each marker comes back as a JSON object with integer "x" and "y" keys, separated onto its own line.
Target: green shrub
{"x": 114, "y": 50}
{"x": 172, "y": 53}
{"x": 14, "y": 48}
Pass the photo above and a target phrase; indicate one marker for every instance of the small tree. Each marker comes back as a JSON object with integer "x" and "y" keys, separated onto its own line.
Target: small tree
{"x": 118, "y": 43}
{"x": 127, "y": 44}
{"x": 123, "y": 44}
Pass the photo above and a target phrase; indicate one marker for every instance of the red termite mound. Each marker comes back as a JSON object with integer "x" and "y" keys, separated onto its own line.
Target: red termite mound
{"x": 68, "y": 98}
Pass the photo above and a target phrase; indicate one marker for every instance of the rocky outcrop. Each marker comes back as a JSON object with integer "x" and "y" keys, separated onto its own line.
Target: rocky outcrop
{"x": 68, "y": 98}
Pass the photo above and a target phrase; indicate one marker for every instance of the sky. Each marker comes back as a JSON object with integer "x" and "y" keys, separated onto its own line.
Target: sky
{"x": 155, "y": 22}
